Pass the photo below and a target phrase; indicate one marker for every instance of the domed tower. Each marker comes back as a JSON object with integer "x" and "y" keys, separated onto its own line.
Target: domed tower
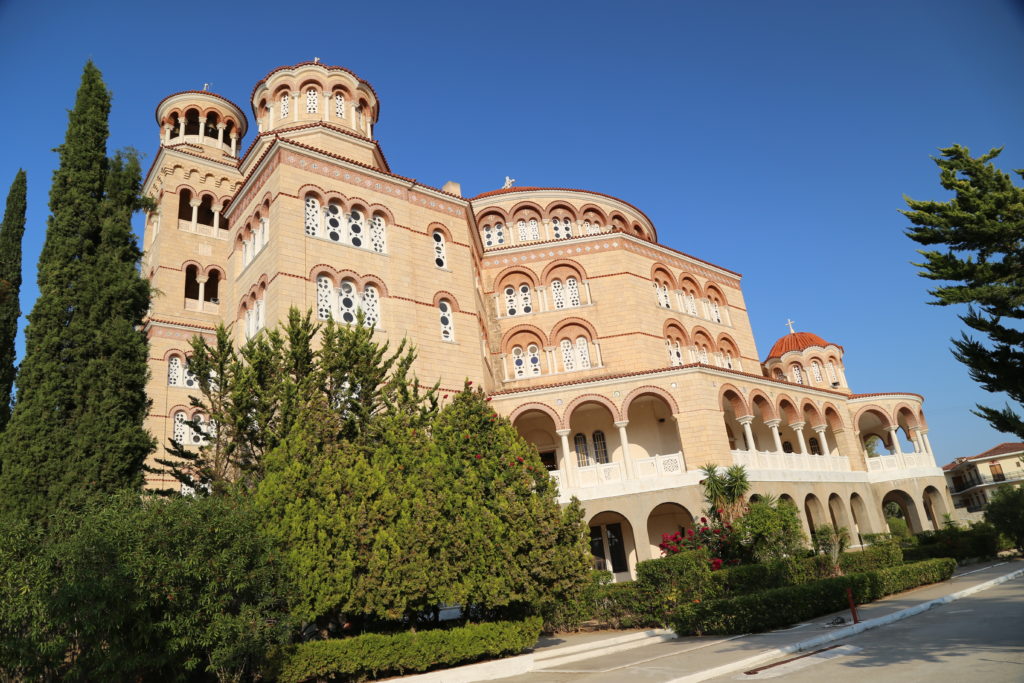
{"x": 307, "y": 100}
{"x": 806, "y": 358}
{"x": 208, "y": 123}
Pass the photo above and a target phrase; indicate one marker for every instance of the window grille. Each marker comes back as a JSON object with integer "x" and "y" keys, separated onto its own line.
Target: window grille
{"x": 582, "y": 453}
{"x": 600, "y": 447}
{"x": 440, "y": 254}
{"x": 447, "y": 330}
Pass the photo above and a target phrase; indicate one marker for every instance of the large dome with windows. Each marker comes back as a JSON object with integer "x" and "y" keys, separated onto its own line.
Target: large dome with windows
{"x": 797, "y": 341}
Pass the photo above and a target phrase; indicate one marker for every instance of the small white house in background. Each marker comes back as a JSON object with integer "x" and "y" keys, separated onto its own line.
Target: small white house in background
{"x": 973, "y": 480}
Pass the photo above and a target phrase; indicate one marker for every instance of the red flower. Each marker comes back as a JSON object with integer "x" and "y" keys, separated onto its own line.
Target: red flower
{"x": 718, "y": 531}
{"x": 720, "y": 512}
{"x": 445, "y": 396}
{"x": 488, "y": 398}
{"x": 689, "y": 533}
{"x": 478, "y": 456}
{"x": 519, "y": 459}
{"x": 469, "y": 383}
{"x": 703, "y": 520}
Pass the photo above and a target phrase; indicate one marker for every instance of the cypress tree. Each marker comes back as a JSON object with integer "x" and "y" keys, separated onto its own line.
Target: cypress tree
{"x": 76, "y": 428}
{"x": 10, "y": 288}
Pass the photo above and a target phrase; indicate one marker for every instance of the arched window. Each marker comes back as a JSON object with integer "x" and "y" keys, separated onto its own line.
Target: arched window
{"x": 179, "y": 429}
{"x": 568, "y": 355}
{"x": 440, "y": 254}
{"x": 562, "y": 228}
{"x": 312, "y": 216}
{"x": 347, "y": 301}
{"x": 523, "y": 235}
{"x": 528, "y": 230}
{"x": 377, "y": 230}
{"x": 211, "y": 292}
{"x": 192, "y": 282}
{"x": 518, "y": 300}
{"x": 323, "y": 297}
{"x": 533, "y": 359}
{"x": 356, "y": 229}
{"x": 255, "y": 314}
{"x": 285, "y": 101}
{"x": 534, "y": 229}
{"x": 262, "y": 234}
{"x": 526, "y": 363}
{"x": 447, "y": 328}
{"x": 494, "y": 235}
{"x": 727, "y": 360}
{"x": 339, "y": 105}
{"x": 600, "y": 447}
{"x": 312, "y": 101}
{"x": 787, "y": 447}
{"x": 812, "y": 443}
{"x": 185, "y": 205}
{"x": 518, "y": 362}
{"x": 691, "y": 303}
{"x": 190, "y": 379}
{"x": 816, "y": 371}
{"x": 798, "y": 375}
{"x": 830, "y": 366}
{"x": 779, "y": 374}
{"x": 716, "y": 314}
{"x": 174, "y": 371}
{"x": 583, "y": 353}
{"x": 582, "y": 453}
{"x": 371, "y": 306}
{"x": 661, "y": 290}
{"x": 198, "y": 435}
{"x": 572, "y": 289}
{"x": 558, "y": 294}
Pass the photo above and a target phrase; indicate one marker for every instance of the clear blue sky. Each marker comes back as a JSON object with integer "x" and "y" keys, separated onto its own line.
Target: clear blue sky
{"x": 773, "y": 138}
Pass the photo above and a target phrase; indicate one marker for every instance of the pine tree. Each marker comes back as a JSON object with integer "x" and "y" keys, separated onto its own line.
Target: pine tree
{"x": 982, "y": 231}
{"x": 77, "y": 425}
{"x": 10, "y": 288}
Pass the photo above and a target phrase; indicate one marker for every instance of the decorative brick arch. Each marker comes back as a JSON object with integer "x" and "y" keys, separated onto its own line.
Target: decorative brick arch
{"x": 526, "y": 206}
{"x": 175, "y": 352}
{"x": 192, "y": 262}
{"x": 566, "y": 322}
{"x": 313, "y": 189}
{"x": 178, "y": 407}
{"x": 564, "y": 206}
{"x": 590, "y": 398}
{"x": 650, "y": 389}
{"x": 906, "y": 409}
{"x": 484, "y": 216}
{"x": 442, "y": 228}
{"x": 674, "y": 326}
{"x": 541, "y": 337}
{"x": 215, "y": 268}
{"x": 769, "y": 407}
{"x": 739, "y": 404}
{"x": 449, "y": 297}
{"x": 539, "y": 407}
{"x": 833, "y": 418}
{"x": 807, "y": 405}
{"x": 527, "y": 272}
{"x": 878, "y": 410}
{"x": 797, "y": 415}
{"x": 376, "y": 281}
{"x": 545, "y": 275}
{"x": 601, "y": 213}
{"x": 661, "y": 271}
{"x": 713, "y": 288}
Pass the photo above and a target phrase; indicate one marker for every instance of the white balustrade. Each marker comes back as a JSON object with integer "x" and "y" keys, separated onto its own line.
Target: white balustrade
{"x": 596, "y": 475}
{"x": 771, "y": 460}
{"x": 899, "y": 461}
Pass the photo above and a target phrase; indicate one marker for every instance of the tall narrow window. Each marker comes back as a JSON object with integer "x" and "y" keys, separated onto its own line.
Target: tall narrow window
{"x": 814, "y": 446}
{"x": 511, "y": 301}
{"x": 284, "y": 105}
{"x": 356, "y": 229}
{"x": 190, "y": 381}
{"x": 702, "y": 354}
{"x": 594, "y": 229}
{"x": 371, "y": 306}
{"x": 562, "y": 228}
{"x": 377, "y": 233}
{"x": 558, "y": 294}
{"x": 533, "y": 358}
{"x": 499, "y": 234}
{"x": 263, "y": 233}
{"x": 447, "y": 329}
{"x": 312, "y": 101}
{"x": 261, "y": 314}
{"x": 727, "y": 360}
{"x": 173, "y": 371}
{"x": 347, "y": 304}
{"x": 572, "y": 288}
{"x": 518, "y": 362}
{"x": 312, "y": 216}
{"x": 675, "y": 353}
{"x": 716, "y": 314}
{"x": 525, "y": 300}
{"x": 323, "y": 297}
{"x": 691, "y": 303}
{"x": 831, "y": 371}
{"x": 798, "y": 375}
{"x": 180, "y": 429}
{"x": 440, "y": 255}
{"x": 339, "y": 105}
{"x": 816, "y": 371}
{"x": 582, "y": 453}
{"x": 534, "y": 229}
{"x": 198, "y": 433}
{"x": 335, "y": 217}
{"x": 583, "y": 353}
{"x": 523, "y": 235}
{"x": 568, "y": 355}
{"x": 600, "y": 447}
{"x": 661, "y": 289}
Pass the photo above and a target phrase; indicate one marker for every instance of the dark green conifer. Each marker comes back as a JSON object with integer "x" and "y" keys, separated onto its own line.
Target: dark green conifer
{"x": 77, "y": 425}
{"x": 10, "y": 288}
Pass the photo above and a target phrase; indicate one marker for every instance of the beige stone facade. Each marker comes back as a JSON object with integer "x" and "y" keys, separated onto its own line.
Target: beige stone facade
{"x": 974, "y": 479}
{"x": 627, "y": 363}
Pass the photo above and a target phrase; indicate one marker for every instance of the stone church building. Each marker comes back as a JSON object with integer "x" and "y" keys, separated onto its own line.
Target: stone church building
{"x": 627, "y": 363}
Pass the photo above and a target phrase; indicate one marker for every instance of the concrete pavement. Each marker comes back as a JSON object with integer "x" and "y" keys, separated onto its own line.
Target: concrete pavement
{"x": 702, "y": 658}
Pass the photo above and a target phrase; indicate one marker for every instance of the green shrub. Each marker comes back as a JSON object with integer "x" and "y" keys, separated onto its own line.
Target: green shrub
{"x": 373, "y": 655}
{"x": 878, "y": 556}
{"x": 979, "y": 540}
{"x": 779, "y": 607}
{"x": 665, "y": 583}
{"x": 582, "y": 605}
{"x": 898, "y": 527}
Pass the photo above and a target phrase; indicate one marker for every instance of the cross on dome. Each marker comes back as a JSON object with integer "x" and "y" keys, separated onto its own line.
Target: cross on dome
{"x": 790, "y": 323}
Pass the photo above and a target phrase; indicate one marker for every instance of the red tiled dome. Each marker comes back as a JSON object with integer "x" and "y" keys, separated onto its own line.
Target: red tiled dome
{"x": 796, "y": 341}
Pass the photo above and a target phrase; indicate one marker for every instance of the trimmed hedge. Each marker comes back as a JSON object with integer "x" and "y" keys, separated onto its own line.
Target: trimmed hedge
{"x": 979, "y": 541}
{"x": 372, "y": 655}
{"x": 779, "y": 607}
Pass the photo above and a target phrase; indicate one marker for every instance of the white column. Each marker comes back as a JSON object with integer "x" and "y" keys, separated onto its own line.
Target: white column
{"x": 748, "y": 433}
{"x": 202, "y": 130}
{"x": 550, "y": 351}
{"x": 504, "y": 366}
{"x": 916, "y": 440}
{"x": 927, "y": 442}
{"x": 194, "y": 203}
{"x": 586, "y": 286}
{"x": 543, "y": 296}
{"x": 270, "y": 116}
{"x": 568, "y": 459}
{"x": 234, "y": 144}
{"x": 181, "y": 128}
{"x": 597, "y": 354}
{"x": 774, "y": 426}
{"x": 624, "y": 439}
{"x": 201, "y": 279}
{"x": 220, "y": 135}
{"x": 798, "y": 427}
{"x": 327, "y": 107}
{"x": 295, "y": 105}
{"x": 167, "y": 133}
{"x": 822, "y": 440}
{"x": 547, "y": 229}
{"x": 894, "y": 435}
{"x": 216, "y": 219}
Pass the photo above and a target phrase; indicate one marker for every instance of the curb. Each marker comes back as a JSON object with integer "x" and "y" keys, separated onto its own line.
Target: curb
{"x": 575, "y": 653}
{"x": 775, "y": 653}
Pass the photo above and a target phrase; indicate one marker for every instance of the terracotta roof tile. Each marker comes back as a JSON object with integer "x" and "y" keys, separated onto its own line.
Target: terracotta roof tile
{"x": 797, "y": 341}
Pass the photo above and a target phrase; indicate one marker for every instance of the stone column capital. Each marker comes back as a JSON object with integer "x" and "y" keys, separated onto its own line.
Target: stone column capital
{"x": 563, "y": 432}
{"x": 797, "y": 426}
{"x": 745, "y": 419}
{"x": 621, "y": 423}
{"x": 774, "y": 424}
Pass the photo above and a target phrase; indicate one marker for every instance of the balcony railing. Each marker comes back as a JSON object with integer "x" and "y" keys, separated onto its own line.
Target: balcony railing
{"x": 773, "y": 460}
{"x": 987, "y": 480}
{"x": 899, "y": 461}
{"x": 656, "y": 467}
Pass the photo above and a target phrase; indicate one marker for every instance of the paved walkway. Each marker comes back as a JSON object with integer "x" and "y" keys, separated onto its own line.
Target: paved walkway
{"x": 687, "y": 659}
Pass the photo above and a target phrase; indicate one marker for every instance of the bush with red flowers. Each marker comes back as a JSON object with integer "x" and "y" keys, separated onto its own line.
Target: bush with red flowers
{"x": 713, "y": 536}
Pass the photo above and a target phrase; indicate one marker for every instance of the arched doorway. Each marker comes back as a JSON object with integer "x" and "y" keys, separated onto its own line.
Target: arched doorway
{"x": 814, "y": 512}
{"x": 859, "y": 514}
{"x": 667, "y": 518}
{"x": 652, "y": 428}
{"x": 594, "y": 438}
{"x": 907, "y": 508}
{"x": 837, "y": 513}
{"x": 934, "y": 507}
{"x": 612, "y": 546}
{"x": 538, "y": 427}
